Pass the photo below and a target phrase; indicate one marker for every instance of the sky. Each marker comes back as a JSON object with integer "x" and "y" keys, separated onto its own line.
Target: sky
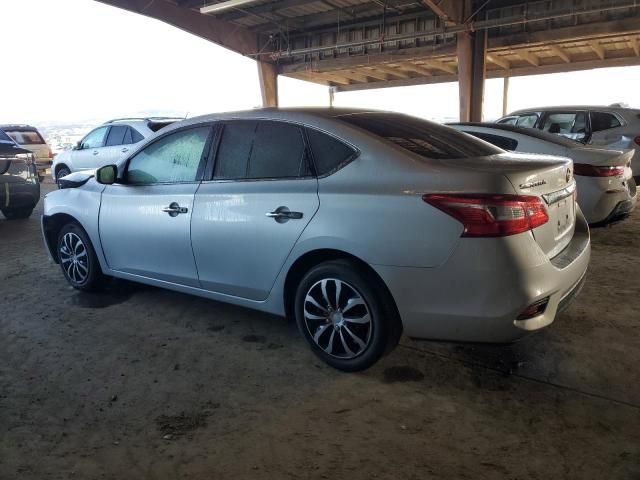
{"x": 80, "y": 60}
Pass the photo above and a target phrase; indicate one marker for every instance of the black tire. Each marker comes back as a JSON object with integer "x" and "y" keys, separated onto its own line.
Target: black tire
{"x": 78, "y": 260}
{"x": 17, "y": 213}
{"x": 62, "y": 172}
{"x": 334, "y": 329}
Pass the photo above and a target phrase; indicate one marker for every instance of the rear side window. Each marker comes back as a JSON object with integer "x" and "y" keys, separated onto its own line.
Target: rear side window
{"x": 603, "y": 121}
{"x": 25, "y": 137}
{"x": 261, "y": 149}
{"x": 329, "y": 153}
{"x": 172, "y": 159}
{"x": 499, "y": 141}
{"x": 116, "y": 135}
{"x": 421, "y": 137}
{"x": 135, "y": 135}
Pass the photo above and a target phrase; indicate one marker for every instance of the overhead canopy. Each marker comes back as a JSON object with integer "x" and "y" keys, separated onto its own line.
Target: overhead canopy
{"x": 359, "y": 44}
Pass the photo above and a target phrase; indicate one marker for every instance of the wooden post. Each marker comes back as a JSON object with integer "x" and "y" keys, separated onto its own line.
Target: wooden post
{"x": 505, "y": 96}
{"x": 268, "y": 74}
{"x": 471, "y": 49}
{"x": 332, "y": 93}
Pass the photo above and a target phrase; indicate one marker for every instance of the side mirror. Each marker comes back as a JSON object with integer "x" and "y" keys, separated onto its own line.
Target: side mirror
{"x": 107, "y": 175}
{"x": 77, "y": 146}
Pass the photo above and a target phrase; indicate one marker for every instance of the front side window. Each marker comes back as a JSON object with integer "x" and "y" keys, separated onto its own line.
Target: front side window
{"x": 261, "y": 149}
{"x": 508, "y": 120}
{"x": 116, "y": 136}
{"x": 421, "y": 137}
{"x": 172, "y": 159}
{"x": 328, "y": 152}
{"x": 95, "y": 139}
{"x": 603, "y": 121}
{"x": 568, "y": 124}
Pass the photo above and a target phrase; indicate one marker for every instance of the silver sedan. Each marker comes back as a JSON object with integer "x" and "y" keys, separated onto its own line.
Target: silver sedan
{"x": 360, "y": 225}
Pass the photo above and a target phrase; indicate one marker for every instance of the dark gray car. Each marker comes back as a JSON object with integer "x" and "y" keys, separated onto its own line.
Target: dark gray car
{"x": 19, "y": 187}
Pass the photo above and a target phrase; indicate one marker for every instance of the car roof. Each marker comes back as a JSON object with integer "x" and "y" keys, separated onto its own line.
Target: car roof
{"x": 603, "y": 108}
{"x": 18, "y": 127}
{"x": 530, "y": 132}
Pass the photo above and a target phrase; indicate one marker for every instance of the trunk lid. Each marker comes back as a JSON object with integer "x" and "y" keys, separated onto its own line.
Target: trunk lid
{"x": 554, "y": 182}
{"x": 546, "y": 176}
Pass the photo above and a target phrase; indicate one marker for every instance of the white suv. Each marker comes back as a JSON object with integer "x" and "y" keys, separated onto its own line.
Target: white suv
{"x": 611, "y": 127}
{"x": 107, "y": 144}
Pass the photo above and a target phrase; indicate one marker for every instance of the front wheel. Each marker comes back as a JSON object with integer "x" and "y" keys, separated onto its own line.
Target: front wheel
{"x": 17, "y": 213}
{"x": 346, "y": 316}
{"x": 61, "y": 173}
{"x": 78, "y": 259}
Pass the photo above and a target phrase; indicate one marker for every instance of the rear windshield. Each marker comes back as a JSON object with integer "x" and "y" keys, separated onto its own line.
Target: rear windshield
{"x": 427, "y": 139}
{"x": 25, "y": 137}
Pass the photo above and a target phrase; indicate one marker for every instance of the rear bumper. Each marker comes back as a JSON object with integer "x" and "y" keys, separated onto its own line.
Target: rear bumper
{"x": 478, "y": 294}
{"x": 43, "y": 165}
{"x": 604, "y": 201}
{"x": 621, "y": 211}
{"x": 19, "y": 194}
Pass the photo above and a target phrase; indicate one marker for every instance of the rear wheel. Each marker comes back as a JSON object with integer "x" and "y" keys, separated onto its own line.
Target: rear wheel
{"x": 78, "y": 259}
{"x": 345, "y": 315}
{"x": 17, "y": 213}
{"x": 62, "y": 172}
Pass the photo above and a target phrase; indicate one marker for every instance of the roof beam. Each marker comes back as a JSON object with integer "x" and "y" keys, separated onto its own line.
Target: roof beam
{"x": 227, "y": 5}
{"x": 560, "y": 52}
{"x": 450, "y": 11}
{"x": 529, "y": 57}
{"x": 392, "y": 71}
{"x": 217, "y": 31}
{"x": 441, "y": 66}
{"x": 598, "y": 49}
{"x": 377, "y": 75}
{"x": 635, "y": 45}
{"x": 264, "y": 8}
{"x": 416, "y": 68}
{"x": 501, "y": 62}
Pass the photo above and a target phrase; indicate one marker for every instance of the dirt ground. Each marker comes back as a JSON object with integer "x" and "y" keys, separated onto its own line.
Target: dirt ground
{"x": 143, "y": 383}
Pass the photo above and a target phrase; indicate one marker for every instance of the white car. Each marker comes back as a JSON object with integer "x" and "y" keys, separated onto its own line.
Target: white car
{"x": 613, "y": 127}
{"x": 107, "y": 144}
{"x": 361, "y": 225}
{"x": 606, "y": 187}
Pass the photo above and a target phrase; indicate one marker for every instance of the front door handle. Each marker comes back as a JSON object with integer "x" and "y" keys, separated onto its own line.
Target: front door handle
{"x": 124, "y": 150}
{"x": 174, "y": 209}
{"x": 95, "y": 152}
{"x": 283, "y": 214}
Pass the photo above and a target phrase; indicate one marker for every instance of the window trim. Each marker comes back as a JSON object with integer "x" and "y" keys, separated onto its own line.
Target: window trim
{"x": 201, "y": 166}
{"x": 341, "y": 165}
{"x": 220, "y": 124}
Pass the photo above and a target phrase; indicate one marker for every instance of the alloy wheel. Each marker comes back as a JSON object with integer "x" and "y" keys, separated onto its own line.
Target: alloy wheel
{"x": 337, "y": 318}
{"x": 74, "y": 258}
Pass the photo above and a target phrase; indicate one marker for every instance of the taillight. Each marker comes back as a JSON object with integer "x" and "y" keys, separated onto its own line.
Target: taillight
{"x": 587, "y": 170}
{"x": 50, "y": 154}
{"x": 492, "y": 215}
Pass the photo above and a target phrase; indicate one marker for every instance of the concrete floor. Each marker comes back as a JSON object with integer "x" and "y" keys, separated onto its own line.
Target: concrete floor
{"x": 144, "y": 383}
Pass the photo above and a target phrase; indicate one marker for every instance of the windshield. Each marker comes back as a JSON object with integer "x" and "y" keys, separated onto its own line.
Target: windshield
{"x": 424, "y": 138}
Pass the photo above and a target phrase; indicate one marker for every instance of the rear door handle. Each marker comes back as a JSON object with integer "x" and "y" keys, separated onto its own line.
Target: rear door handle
{"x": 174, "y": 209}
{"x": 95, "y": 152}
{"x": 283, "y": 214}
{"x": 124, "y": 150}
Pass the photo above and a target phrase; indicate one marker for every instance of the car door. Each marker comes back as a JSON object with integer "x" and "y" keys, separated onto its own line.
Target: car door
{"x": 572, "y": 124}
{"x": 113, "y": 146}
{"x": 247, "y": 218}
{"x": 145, "y": 218}
{"x": 87, "y": 155}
